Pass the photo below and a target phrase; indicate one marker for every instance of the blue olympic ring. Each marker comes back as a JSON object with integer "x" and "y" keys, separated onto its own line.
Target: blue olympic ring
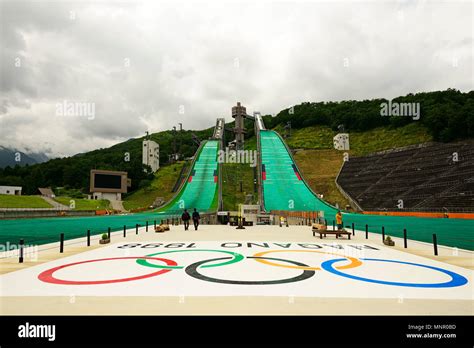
{"x": 456, "y": 279}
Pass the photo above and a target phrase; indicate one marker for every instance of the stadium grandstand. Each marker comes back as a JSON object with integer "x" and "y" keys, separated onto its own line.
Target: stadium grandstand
{"x": 424, "y": 177}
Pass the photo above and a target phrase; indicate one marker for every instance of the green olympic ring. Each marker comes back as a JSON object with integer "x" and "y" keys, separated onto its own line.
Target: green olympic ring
{"x": 237, "y": 257}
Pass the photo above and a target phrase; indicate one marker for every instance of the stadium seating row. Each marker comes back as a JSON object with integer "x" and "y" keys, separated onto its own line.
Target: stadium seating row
{"x": 421, "y": 177}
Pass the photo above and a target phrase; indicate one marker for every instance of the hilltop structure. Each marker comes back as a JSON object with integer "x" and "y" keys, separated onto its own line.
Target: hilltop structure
{"x": 151, "y": 154}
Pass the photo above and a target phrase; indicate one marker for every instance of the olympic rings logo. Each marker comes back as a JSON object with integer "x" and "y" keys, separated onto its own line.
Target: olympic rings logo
{"x": 193, "y": 270}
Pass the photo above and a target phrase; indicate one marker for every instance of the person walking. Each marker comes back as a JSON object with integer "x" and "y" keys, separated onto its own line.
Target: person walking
{"x": 186, "y": 217}
{"x": 196, "y": 218}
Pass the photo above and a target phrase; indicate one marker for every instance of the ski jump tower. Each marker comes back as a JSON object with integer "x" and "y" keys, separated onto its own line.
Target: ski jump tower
{"x": 239, "y": 112}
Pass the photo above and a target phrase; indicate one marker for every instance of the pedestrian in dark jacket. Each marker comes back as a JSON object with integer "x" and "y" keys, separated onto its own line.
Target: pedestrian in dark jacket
{"x": 186, "y": 217}
{"x": 196, "y": 218}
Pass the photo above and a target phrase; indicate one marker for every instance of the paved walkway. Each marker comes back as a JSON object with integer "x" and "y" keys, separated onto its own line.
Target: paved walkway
{"x": 118, "y": 205}
{"x": 56, "y": 205}
{"x": 272, "y": 305}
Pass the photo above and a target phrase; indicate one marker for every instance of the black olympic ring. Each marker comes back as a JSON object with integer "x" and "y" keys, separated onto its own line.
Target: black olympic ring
{"x": 192, "y": 271}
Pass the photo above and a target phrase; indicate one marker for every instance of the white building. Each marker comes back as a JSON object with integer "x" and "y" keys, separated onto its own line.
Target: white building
{"x": 250, "y": 212}
{"x": 10, "y": 190}
{"x": 341, "y": 141}
{"x": 151, "y": 154}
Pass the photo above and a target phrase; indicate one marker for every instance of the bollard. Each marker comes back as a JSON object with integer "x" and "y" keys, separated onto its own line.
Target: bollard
{"x": 22, "y": 243}
{"x": 154, "y": 224}
{"x": 405, "y": 238}
{"x": 162, "y": 221}
{"x": 383, "y": 233}
{"x": 366, "y": 231}
{"x": 108, "y": 233}
{"x": 124, "y": 231}
{"x": 88, "y": 237}
{"x": 61, "y": 242}
{"x": 435, "y": 244}
{"x": 146, "y": 227}
{"x": 136, "y": 229}
{"x": 333, "y": 225}
{"x": 353, "y": 231}
{"x": 167, "y": 221}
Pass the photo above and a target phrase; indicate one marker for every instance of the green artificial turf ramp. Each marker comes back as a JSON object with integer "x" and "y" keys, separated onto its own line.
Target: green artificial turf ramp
{"x": 283, "y": 190}
{"x": 199, "y": 193}
{"x": 201, "y": 187}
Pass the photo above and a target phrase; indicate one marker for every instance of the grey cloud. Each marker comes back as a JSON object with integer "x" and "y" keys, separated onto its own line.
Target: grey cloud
{"x": 186, "y": 54}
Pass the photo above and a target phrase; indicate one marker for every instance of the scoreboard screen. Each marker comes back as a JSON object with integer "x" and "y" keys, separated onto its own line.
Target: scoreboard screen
{"x": 107, "y": 181}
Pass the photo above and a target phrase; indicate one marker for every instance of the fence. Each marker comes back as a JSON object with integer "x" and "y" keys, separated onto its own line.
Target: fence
{"x": 450, "y": 232}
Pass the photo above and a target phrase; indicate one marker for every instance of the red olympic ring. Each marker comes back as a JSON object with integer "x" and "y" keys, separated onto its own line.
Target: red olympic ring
{"x": 47, "y": 276}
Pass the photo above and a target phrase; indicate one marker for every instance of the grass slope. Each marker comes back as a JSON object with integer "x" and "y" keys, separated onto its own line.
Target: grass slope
{"x": 361, "y": 143}
{"x": 320, "y": 163}
{"x": 10, "y": 201}
{"x": 320, "y": 168}
{"x": 233, "y": 173}
{"x": 84, "y": 204}
{"x": 161, "y": 186}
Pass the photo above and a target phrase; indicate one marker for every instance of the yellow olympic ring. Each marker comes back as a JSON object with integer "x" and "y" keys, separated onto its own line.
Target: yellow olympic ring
{"x": 354, "y": 262}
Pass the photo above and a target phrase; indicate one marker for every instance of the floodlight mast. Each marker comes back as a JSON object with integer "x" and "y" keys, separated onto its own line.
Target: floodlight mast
{"x": 174, "y": 142}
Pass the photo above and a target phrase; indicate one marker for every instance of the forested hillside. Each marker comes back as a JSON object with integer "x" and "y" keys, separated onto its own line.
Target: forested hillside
{"x": 446, "y": 116}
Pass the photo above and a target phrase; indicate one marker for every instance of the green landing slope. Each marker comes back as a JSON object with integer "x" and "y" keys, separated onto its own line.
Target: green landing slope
{"x": 200, "y": 189}
{"x": 285, "y": 189}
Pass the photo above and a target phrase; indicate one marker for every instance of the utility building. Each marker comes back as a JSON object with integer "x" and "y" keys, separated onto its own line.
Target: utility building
{"x": 151, "y": 154}
{"x": 341, "y": 141}
{"x": 10, "y": 190}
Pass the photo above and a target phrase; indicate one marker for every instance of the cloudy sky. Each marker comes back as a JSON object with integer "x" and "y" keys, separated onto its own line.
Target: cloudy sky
{"x": 150, "y": 65}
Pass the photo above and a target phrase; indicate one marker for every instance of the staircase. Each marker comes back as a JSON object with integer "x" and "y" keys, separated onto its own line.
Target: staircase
{"x": 56, "y": 205}
{"x": 118, "y": 205}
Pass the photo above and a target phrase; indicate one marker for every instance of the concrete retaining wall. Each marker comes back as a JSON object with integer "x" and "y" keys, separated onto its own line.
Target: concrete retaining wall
{"x": 27, "y": 214}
